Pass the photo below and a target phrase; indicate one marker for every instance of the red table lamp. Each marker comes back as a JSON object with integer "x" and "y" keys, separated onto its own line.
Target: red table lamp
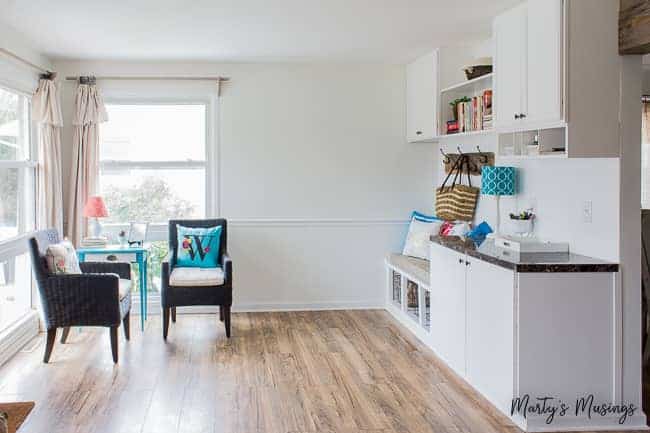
{"x": 95, "y": 209}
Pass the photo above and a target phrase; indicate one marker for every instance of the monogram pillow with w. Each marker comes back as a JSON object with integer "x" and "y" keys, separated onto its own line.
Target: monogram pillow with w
{"x": 198, "y": 247}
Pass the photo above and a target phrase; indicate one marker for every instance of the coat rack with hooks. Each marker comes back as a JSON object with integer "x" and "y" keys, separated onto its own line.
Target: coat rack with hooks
{"x": 476, "y": 160}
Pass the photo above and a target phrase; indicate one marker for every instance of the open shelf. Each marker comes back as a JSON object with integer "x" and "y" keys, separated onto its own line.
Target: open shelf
{"x": 468, "y": 133}
{"x": 548, "y": 155}
{"x": 475, "y": 91}
{"x": 515, "y": 145}
{"x": 467, "y": 83}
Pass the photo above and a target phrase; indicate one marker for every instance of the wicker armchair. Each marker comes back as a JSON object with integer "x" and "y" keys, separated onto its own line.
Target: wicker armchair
{"x": 173, "y": 296}
{"x": 100, "y": 296}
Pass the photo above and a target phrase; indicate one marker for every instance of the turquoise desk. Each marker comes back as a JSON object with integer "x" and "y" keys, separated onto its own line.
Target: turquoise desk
{"x": 118, "y": 253}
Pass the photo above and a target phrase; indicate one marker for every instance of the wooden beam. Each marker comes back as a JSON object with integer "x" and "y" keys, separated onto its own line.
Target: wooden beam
{"x": 634, "y": 27}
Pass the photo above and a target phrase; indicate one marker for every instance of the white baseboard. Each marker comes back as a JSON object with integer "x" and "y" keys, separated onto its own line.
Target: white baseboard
{"x": 153, "y": 307}
{"x": 18, "y": 335}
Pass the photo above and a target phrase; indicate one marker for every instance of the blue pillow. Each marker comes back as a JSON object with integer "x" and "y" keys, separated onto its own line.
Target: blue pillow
{"x": 478, "y": 233}
{"x": 198, "y": 247}
{"x": 422, "y": 217}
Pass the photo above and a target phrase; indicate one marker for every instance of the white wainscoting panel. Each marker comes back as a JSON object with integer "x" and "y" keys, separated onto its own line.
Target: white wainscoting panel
{"x": 311, "y": 264}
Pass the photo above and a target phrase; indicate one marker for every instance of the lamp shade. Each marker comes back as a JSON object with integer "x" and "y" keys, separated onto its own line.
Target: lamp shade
{"x": 95, "y": 208}
{"x": 498, "y": 180}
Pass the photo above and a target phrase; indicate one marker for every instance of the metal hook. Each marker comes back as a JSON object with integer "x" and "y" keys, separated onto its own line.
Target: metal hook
{"x": 484, "y": 158}
{"x": 447, "y": 160}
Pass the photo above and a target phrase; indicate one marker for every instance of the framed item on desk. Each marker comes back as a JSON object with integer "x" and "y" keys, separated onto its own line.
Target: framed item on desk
{"x": 138, "y": 233}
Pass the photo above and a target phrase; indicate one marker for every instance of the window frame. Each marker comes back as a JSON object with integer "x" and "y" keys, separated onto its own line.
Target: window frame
{"x": 27, "y": 166}
{"x": 15, "y": 246}
{"x": 158, "y": 231}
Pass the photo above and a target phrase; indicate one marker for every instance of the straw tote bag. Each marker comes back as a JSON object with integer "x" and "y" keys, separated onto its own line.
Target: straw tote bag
{"x": 457, "y": 201}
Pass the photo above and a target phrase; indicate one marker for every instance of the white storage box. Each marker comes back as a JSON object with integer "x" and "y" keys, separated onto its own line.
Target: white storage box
{"x": 530, "y": 245}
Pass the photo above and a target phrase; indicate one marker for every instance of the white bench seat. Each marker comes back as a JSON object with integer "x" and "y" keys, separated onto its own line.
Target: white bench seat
{"x": 414, "y": 268}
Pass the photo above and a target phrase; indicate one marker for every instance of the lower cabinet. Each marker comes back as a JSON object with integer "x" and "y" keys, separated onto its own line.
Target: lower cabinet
{"x": 516, "y": 336}
{"x": 448, "y": 318}
{"x": 472, "y": 321}
{"x": 490, "y": 330}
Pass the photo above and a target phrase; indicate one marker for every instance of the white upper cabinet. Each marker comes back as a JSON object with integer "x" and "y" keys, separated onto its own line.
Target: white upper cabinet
{"x": 422, "y": 98}
{"x": 528, "y": 65}
{"x": 544, "y": 53}
{"x": 509, "y": 68}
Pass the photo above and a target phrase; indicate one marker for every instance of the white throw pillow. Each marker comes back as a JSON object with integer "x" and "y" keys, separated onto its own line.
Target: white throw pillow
{"x": 62, "y": 258}
{"x": 417, "y": 239}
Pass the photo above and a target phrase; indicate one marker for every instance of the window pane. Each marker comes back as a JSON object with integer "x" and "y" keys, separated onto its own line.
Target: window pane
{"x": 158, "y": 251}
{"x": 15, "y": 289}
{"x": 16, "y": 201}
{"x": 153, "y": 195}
{"x": 14, "y": 132}
{"x": 8, "y": 202}
{"x": 153, "y": 133}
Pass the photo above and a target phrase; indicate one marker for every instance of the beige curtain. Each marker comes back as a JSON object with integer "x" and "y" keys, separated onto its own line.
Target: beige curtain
{"x": 89, "y": 113}
{"x": 46, "y": 112}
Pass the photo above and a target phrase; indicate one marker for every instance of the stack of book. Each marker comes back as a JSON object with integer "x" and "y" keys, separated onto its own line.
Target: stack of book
{"x": 475, "y": 114}
{"x": 94, "y": 242}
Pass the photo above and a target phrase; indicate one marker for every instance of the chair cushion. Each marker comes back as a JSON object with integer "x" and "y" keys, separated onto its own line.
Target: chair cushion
{"x": 62, "y": 258}
{"x": 124, "y": 288}
{"x": 197, "y": 277}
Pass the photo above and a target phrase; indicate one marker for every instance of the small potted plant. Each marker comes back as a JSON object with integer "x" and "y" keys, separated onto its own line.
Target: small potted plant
{"x": 121, "y": 236}
{"x": 454, "y": 106}
{"x": 522, "y": 223}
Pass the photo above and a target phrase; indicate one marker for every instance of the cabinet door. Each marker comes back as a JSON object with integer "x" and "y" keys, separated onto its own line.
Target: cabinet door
{"x": 509, "y": 66}
{"x": 544, "y": 62}
{"x": 448, "y": 306}
{"x": 421, "y": 98}
{"x": 490, "y": 331}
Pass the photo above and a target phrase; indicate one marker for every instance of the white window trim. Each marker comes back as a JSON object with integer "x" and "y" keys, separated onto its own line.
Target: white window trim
{"x": 210, "y": 164}
{"x": 14, "y": 337}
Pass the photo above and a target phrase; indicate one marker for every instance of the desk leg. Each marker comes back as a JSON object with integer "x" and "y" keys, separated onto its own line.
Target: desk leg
{"x": 146, "y": 288}
{"x": 142, "y": 292}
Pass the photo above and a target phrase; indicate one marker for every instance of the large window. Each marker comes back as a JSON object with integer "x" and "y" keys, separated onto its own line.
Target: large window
{"x": 153, "y": 167}
{"x": 153, "y": 162}
{"x": 17, "y": 168}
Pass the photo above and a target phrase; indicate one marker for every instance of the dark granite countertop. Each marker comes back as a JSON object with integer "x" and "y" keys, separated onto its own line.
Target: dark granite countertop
{"x": 526, "y": 262}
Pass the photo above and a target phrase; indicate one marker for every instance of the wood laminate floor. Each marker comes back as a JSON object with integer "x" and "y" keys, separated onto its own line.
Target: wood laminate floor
{"x": 292, "y": 372}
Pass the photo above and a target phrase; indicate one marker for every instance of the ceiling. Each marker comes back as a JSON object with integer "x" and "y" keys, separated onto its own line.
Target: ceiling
{"x": 392, "y": 31}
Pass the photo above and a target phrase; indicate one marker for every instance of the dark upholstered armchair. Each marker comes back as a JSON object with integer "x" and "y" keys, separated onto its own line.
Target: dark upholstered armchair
{"x": 100, "y": 296}
{"x": 193, "y": 286}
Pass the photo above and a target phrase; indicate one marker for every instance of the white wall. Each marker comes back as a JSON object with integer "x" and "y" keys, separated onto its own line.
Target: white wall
{"x": 556, "y": 189}
{"x": 14, "y": 74}
{"x": 315, "y": 175}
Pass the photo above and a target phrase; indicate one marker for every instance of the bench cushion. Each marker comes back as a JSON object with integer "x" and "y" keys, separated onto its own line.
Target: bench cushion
{"x": 417, "y": 268}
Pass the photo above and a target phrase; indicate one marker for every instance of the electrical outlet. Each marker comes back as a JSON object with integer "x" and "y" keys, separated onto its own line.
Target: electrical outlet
{"x": 587, "y": 212}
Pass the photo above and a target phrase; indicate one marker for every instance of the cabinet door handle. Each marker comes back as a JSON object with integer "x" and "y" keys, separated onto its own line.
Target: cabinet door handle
{"x": 522, "y": 115}
{"x": 467, "y": 263}
{"x": 418, "y": 132}
{"x": 516, "y": 116}
{"x": 460, "y": 261}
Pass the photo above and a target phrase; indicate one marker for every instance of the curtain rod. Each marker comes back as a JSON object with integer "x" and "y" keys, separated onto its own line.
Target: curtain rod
{"x": 138, "y": 77}
{"x": 218, "y": 79}
{"x": 25, "y": 61}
